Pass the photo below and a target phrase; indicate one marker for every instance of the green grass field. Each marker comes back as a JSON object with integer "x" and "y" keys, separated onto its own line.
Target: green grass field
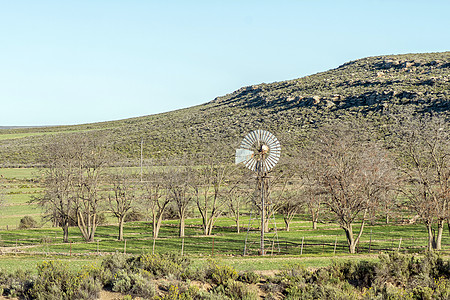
{"x": 302, "y": 244}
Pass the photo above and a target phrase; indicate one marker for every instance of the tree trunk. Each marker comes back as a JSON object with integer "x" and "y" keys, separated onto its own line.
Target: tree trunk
{"x": 439, "y": 235}
{"x": 431, "y": 241}
{"x": 210, "y": 226}
{"x": 182, "y": 226}
{"x": 204, "y": 221}
{"x": 350, "y": 240}
{"x": 286, "y": 222}
{"x": 314, "y": 224}
{"x": 65, "y": 228}
{"x": 121, "y": 221}
{"x": 238, "y": 226}
{"x": 157, "y": 225}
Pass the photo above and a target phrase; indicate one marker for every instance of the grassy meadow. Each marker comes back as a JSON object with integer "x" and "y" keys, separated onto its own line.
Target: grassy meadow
{"x": 24, "y": 248}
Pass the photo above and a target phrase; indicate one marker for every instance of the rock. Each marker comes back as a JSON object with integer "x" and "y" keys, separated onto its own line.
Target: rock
{"x": 336, "y": 97}
{"x": 329, "y": 104}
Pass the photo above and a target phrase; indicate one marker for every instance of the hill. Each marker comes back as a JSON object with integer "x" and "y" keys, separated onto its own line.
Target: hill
{"x": 367, "y": 89}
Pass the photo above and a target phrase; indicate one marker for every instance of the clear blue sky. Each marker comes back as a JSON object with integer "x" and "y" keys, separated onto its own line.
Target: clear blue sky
{"x": 73, "y": 62}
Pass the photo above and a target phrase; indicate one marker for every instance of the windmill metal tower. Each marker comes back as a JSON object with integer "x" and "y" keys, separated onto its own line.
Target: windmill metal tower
{"x": 260, "y": 151}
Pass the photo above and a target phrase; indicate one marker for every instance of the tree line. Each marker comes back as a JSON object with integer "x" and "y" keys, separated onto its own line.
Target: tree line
{"x": 353, "y": 172}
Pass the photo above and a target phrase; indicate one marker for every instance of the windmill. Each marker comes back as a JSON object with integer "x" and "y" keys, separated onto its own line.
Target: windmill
{"x": 259, "y": 151}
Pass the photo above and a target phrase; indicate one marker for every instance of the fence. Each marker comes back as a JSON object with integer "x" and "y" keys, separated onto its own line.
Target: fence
{"x": 210, "y": 246}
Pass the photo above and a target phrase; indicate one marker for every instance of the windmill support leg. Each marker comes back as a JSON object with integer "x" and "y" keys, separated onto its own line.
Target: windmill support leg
{"x": 263, "y": 212}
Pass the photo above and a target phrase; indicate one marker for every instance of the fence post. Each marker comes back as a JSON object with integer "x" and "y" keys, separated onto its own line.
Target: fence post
{"x": 301, "y": 249}
{"x": 399, "y": 244}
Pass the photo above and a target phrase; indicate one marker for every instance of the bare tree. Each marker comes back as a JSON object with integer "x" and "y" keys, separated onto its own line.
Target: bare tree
{"x": 286, "y": 198}
{"x": 122, "y": 199}
{"x": 72, "y": 182}
{"x": 238, "y": 192}
{"x": 179, "y": 186}
{"x": 156, "y": 198}
{"x": 313, "y": 199}
{"x": 353, "y": 172}
{"x": 425, "y": 162}
{"x": 289, "y": 205}
{"x": 92, "y": 159}
{"x": 207, "y": 185}
{"x": 59, "y": 181}
{"x": 312, "y": 195}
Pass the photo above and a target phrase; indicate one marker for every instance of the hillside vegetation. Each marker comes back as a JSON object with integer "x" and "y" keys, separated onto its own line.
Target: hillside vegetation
{"x": 368, "y": 89}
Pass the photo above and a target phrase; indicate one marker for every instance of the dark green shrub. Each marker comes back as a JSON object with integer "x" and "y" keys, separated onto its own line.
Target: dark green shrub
{"x": 111, "y": 265}
{"x": 237, "y": 290}
{"x": 393, "y": 268}
{"x": 295, "y": 275}
{"x": 357, "y": 273}
{"x": 162, "y": 265}
{"x": 27, "y": 222}
{"x": 17, "y": 284}
{"x": 391, "y": 292}
{"x": 249, "y": 277}
{"x": 271, "y": 288}
{"x": 84, "y": 288}
{"x": 54, "y": 281}
{"x": 316, "y": 291}
{"x": 138, "y": 284}
{"x": 176, "y": 292}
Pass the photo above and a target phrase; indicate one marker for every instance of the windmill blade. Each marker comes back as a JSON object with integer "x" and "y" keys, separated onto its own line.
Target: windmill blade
{"x": 259, "y": 151}
{"x": 243, "y": 155}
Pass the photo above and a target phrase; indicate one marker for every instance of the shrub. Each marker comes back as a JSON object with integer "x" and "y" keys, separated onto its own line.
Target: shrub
{"x": 237, "y": 290}
{"x": 52, "y": 281}
{"x": 138, "y": 284}
{"x": 17, "y": 284}
{"x": 162, "y": 265}
{"x": 176, "y": 292}
{"x": 325, "y": 291}
{"x": 27, "y": 222}
{"x": 220, "y": 274}
{"x": 393, "y": 268}
{"x": 249, "y": 277}
{"x": 111, "y": 265}
{"x": 358, "y": 273}
{"x": 55, "y": 282}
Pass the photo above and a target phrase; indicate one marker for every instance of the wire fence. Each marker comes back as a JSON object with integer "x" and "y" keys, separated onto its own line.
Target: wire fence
{"x": 212, "y": 245}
